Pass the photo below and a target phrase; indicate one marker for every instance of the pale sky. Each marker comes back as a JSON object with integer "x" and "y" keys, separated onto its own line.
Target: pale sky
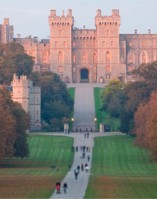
{"x": 30, "y": 17}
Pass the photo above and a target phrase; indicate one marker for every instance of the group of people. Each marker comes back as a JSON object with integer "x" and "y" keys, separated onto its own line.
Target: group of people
{"x": 58, "y": 187}
{"x": 85, "y": 153}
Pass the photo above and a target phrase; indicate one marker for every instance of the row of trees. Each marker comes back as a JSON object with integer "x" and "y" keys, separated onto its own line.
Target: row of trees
{"x": 129, "y": 102}
{"x": 13, "y": 125}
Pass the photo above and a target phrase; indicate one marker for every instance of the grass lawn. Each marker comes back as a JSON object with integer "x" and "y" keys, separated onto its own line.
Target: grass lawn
{"x": 121, "y": 170}
{"x": 35, "y": 177}
{"x": 72, "y": 94}
{"x": 102, "y": 117}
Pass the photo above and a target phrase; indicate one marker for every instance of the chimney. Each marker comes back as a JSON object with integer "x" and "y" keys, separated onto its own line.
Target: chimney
{"x": 135, "y": 31}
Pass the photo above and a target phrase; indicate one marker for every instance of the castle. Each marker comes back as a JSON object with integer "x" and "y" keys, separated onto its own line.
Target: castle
{"x": 29, "y": 97}
{"x": 88, "y": 55}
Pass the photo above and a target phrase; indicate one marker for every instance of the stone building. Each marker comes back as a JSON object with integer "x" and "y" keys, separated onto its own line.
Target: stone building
{"x": 6, "y": 32}
{"x": 90, "y": 55}
{"x": 29, "y": 97}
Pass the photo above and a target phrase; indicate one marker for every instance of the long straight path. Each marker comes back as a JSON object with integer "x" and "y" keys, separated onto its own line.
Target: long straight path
{"x": 84, "y": 108}
{"x": 77, "y": 187}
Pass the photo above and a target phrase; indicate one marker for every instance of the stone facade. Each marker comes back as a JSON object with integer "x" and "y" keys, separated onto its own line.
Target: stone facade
{"x": 6, "y": 32}
{"x": 29, "y": 97}
{"x": 90, "y": 55}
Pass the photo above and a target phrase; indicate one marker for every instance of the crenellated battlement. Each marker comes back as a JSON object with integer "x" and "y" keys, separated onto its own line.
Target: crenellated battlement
{"x": 112, "y": 20}
{"x": 63, "y": 20}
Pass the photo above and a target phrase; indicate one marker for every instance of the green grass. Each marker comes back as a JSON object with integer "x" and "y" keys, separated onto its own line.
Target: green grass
{"x": 121, "y": 170}
{"x": 72, "y": 94}
{"x": 104, "y": 117}
{"x": 35, "y": 176}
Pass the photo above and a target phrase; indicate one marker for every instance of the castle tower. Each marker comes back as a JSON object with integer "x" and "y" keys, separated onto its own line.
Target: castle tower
{"x": 61, "y": 44}
{"x": 30, "y": 99}
{"x": 107, "y": 31}
{"x": 20, "y": 93}
{"x": 6, "y": 32}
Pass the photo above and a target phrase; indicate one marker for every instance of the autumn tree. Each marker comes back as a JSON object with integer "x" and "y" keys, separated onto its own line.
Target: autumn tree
{"x": 138, "y": 92}
{"x": 7, "y": 129}
{"x": 146, "y": 125}
{"x": 13, "y": 125}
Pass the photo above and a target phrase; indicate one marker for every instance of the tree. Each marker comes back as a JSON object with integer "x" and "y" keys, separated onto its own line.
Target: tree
{"x": 112, "y": 98}
{"x": 146, "y": 125}
{"x": 13, "y": 59}
{"x": 138, "y": 92}
{"x": 13, "y": 127}
{"x": 7, "y": 129}
{"x": 56, "y": 102}
{"x": 22, "y": 124}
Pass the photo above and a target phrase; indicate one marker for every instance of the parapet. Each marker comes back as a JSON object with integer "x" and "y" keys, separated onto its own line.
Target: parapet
{"x": 115, "y": 12}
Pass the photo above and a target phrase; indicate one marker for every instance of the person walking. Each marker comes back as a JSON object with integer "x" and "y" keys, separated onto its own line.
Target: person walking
{"x": 65, "y": 187}
{"x": 76, "y": 173}
{"x": 58, "y": 186}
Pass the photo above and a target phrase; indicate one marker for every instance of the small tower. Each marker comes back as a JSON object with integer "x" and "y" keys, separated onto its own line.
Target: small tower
{"x": 30, "y": 99}
{"x": 61, "y": 44}
{"x": 6, "y": 31}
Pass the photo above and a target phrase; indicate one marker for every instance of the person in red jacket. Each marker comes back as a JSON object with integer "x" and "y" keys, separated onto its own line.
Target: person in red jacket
{"x": 58, "y": 186}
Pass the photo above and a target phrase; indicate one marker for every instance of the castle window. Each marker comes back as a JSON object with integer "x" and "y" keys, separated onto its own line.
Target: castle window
{"x": 116, "y": 23}
{"x": 60, "y": 57}
{"x": 108, "y": 69}
{"x": 84, "y": 57}
{"x": 108, "y": 57}
{"x": 130, "y": 57}
{"x": 68, "y": 23}
{"x": 108, "y": 76}
{"x": 60, "y": 69}
{"x": 99, "y": 23}
{"x": 74, "y": 58}
{"x": 94, "y": 58}
{"x": 45, "y": 57}
{"x": 143, "y": 58}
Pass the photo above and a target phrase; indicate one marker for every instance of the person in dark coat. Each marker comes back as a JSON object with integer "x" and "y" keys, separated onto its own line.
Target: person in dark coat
{"x": 65, "y": 187}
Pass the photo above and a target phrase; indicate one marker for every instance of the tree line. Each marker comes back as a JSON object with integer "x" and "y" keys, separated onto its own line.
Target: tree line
{"x": 56, "y": 103}
{"x": 135, "y": 104}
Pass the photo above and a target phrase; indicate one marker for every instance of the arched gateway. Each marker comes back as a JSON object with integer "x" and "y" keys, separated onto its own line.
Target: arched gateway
{"x": 84, "y": 75}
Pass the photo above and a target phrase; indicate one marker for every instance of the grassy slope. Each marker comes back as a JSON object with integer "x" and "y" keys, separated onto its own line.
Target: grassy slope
{"x": 33, "y": 177}
{"x": 121, "y": 170}
{"x": 101, "y": 116}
